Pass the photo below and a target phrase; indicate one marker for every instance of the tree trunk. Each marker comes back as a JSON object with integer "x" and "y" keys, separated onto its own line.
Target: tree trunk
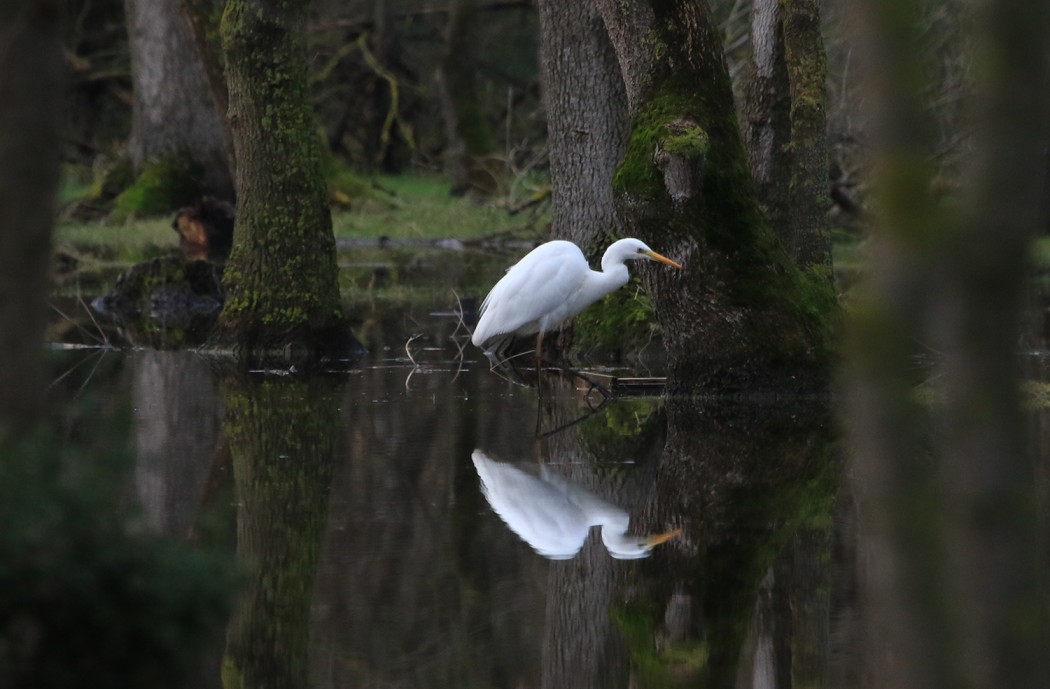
{"x": 806, "y": 233}
{"x": 741, "y": 315}
{"x": 467, "y": 132}
{"x": 204, "y": 17}
{"x": 174, "y": 113}
{"x": 586, "y": 123}
{"x": 281, "y": 279}
{"x": 767, "y": 113}
{"x": 30, "y": 90}
{"x": 948, "y": 491}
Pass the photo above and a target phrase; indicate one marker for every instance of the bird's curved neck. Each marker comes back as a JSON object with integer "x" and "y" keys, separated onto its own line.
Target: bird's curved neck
{"x": 614, "y": 271}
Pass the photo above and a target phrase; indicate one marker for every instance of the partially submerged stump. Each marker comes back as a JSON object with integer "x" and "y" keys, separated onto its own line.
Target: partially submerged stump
{"x": 165, "y": 303}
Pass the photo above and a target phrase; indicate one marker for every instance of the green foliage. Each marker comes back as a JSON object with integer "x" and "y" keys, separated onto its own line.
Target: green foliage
{"x": 87, "y": 597}
{"x": 622, "y": 321}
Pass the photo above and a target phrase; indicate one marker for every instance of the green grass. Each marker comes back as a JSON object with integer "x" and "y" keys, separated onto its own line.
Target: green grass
{"x": 124, "y": 243}
{"x": 419, "y": 207}
{"x": 407, "y": 207}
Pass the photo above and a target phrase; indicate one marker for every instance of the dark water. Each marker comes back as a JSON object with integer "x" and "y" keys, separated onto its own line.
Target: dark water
{"x": 361, "y": 493}
{"x": 421, "y": 521}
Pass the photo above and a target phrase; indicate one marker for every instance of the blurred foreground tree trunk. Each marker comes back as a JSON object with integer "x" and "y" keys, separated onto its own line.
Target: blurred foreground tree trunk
{"x": 30, "y": 90}
{"x": 742, "y": 315}
{"x": 955, "y": 583}
{"x": 586, "y": 122}
{"x": 281, "y": 279}
{"x": 177, "y": 125}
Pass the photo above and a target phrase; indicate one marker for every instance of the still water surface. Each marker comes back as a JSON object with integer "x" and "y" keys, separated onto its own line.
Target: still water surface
{"x": 421, "y": 521}
{"x": 378, "y": 559}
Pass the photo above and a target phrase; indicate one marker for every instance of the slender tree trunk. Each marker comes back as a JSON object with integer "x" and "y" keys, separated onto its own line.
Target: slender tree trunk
{"x": 281, "y": 279}
{"x": 741, "y": 315}
{"x": 467, "y": 132}
{"x": 204, "y": 17}
{"x": 174, "y": 112}
{"x": 30, "y": 90}
{"x": 949, "y": 492}
{"x": 767, "y": 113}
{"x": 586, "y": 122}
{"x": 806, "y": 235}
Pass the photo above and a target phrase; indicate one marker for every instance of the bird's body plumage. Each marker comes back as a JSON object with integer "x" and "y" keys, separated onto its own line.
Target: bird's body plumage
{"x": 550, "y": 285}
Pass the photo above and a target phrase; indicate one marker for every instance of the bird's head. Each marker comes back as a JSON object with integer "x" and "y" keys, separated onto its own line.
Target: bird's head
{"x": 630, "y": 249}
{"x": 635, "y": 547}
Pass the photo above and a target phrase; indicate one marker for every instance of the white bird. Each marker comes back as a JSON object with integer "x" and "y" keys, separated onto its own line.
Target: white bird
{"x": 555, "y": 516}
{"x": 550, "y": 285}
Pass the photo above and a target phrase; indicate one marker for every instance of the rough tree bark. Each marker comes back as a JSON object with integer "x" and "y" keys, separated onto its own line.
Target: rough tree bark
{"x": 174, "y": 112}
{"x": 281, "y": 278}
{"x": 30, "y": 90}
{"x": 742, "y": 315}
{"x": 806, "y": 232}
{"x": 586, "y": 123}
{"x": 955, "y": 591}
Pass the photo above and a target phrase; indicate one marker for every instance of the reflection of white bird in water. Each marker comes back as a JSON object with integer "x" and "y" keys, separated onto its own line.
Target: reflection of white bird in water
{"x": 554, "y": 516}
{"x": 550, "y": 285}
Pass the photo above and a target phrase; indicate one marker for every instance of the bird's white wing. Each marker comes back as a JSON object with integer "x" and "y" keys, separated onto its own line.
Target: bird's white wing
{"x": 534, "y": 287}
{"x": 537, "y": 511}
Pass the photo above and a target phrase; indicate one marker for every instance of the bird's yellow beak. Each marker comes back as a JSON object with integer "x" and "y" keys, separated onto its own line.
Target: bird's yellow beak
{"x": 662, "y": 538}
{"x": 663, "y": 259}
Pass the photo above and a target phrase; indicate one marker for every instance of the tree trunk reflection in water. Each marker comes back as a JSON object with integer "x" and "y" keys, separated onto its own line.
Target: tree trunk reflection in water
{"x": 753, "y": 488}
{"x": 282, "y": 436}
{"x": 177, "y": 414}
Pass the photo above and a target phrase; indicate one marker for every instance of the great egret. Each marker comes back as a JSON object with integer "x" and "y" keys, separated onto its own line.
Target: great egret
{"x": 550, "y": 285}
{"x": 554, "y": 516}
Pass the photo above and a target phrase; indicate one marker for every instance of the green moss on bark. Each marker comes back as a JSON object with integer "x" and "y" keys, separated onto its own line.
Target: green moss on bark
{"x": 281, "y": 278}
{"x": 742, "y": 313}
{"x": 163, "y": 186}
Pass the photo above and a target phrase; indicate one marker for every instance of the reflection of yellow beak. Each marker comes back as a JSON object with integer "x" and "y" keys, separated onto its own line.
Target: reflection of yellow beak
{"x": 661, "y": 538}
{"x": 663, "y": 259}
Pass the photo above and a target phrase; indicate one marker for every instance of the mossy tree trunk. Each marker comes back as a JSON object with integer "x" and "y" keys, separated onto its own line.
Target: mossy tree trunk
{"x": 742, "y": 315}
{"x": 176, "y": 120}
{"x": 586, "y": 121}
{"x": 949, "y": 493}
{"x": 281, "y": 278}
{"x": 30, "y": 90}
{"x": 806, "y": 232}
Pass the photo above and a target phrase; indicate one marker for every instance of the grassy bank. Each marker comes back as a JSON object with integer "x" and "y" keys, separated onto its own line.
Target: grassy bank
{"x": 414, "y": 208}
